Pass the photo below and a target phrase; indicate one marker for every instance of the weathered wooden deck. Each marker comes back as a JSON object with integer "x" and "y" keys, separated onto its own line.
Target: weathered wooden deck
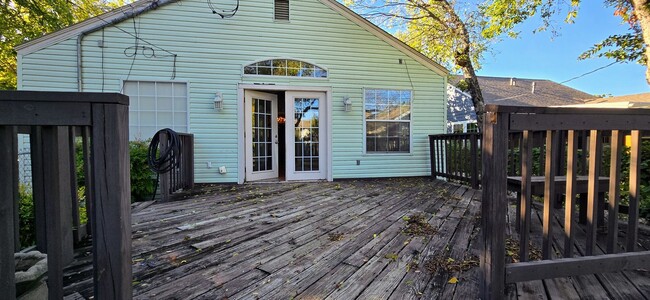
{"x": 326, "y": 240}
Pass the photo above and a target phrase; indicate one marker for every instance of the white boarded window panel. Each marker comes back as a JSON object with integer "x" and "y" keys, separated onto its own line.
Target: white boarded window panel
{"x": 154, "y": 106}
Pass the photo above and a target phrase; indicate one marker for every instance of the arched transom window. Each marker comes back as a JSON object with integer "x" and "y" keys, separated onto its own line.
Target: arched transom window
{"x": 285, "y": 67}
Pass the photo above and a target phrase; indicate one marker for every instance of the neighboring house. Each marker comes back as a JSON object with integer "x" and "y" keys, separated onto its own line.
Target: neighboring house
{"x": 507, "y": 91}
{"x": 627, "y": 101}
{"x": 281, "y": 89}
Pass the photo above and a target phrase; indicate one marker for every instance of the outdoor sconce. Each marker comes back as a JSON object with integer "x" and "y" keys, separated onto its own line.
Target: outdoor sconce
{"x": 348, "y": 103}
{"x": 218, "y": 101}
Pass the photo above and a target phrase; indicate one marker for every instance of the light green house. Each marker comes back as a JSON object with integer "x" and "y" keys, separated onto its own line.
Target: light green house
{"x": 288, "y": 89}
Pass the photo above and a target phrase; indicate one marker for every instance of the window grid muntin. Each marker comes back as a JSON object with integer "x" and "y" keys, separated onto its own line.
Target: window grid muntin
{"x": 178, "y": 114}
{"x": 385, "y": 108}
{"x": 262, "y": 135}
{"x": 285, "y": 67}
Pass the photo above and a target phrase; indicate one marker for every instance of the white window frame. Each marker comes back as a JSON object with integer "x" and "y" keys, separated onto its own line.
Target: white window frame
{"x": 464, "y": 123}
{"x": 157, "y": 80}
{"x": 410, "y": 121}
{"x": 243, "y": 73}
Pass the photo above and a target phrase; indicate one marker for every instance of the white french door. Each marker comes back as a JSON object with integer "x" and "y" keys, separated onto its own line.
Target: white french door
{"x": 261, "y": 113}
{"x": 306, "y": 135}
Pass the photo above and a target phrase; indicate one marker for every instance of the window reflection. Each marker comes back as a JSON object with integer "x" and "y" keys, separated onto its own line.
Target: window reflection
{"x": 285, "y": 67}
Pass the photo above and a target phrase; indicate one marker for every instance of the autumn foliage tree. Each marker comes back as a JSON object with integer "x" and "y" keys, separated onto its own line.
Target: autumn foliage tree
{"x": 24, "y": 20}
{"x": 458, "y": 32}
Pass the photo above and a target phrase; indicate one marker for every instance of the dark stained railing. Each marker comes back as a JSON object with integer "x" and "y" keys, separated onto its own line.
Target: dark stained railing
{"x": 180, "y": 178}
{"x": 54, "y": 120}
{"x": 556, "y": 179}
{"x": 456, "y": 157}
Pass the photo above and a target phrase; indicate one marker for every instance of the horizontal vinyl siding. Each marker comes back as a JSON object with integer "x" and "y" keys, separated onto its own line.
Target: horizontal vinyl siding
{"x": 212, "y": 52}
{"x": 51, "y": 69}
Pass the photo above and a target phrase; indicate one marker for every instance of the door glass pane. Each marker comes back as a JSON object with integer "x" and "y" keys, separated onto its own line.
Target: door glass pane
{"x": 261, "y": 133}
{"x": 306, "y": 133}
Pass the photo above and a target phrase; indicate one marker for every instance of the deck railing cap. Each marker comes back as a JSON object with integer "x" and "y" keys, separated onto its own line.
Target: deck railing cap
{"x": 494, "y": 108}
{"x": 51, "y": 96}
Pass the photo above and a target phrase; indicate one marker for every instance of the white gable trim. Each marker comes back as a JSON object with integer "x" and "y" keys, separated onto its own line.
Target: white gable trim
{"x": 136, "y": 8}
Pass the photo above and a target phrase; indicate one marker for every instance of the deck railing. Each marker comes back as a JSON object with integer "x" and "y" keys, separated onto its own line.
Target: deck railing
{"x": 54, "y": 120}
{"x": 614, "y": 255}
{"x": 180, "y": 178}
{"x": 456, "y": 157}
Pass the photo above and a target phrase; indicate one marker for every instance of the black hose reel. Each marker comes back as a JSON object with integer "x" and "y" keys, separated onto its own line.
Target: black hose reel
{"x": 164, "y": 151}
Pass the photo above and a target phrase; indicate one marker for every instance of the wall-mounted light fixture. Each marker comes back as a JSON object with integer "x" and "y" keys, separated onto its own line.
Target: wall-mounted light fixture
{"x": 218, "y": 101}
{"x": 347, "y": 102}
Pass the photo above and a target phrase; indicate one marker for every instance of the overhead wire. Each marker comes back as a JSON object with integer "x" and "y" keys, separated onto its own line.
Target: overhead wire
{"x": 223, "y": 13}
{"x": 592, "y": 71}
{"x": 138, "y": 39}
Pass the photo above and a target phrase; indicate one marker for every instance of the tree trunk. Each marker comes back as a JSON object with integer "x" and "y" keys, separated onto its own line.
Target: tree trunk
{"x": 642, "y": 13}
{"x": 463, "y": 60}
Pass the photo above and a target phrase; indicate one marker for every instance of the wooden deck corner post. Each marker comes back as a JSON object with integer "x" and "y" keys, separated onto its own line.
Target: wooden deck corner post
{"x": 494, "y": 203}
{"x": 7, "y": 281}
{"x": 432, "y": 156}
{"x": 165, "y": 178}
{"x": 112, "y": 202}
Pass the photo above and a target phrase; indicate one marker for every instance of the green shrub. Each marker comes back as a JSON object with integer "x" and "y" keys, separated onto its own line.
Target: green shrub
{"x": 26, "y": 215}
{"x": 143, "y": 180}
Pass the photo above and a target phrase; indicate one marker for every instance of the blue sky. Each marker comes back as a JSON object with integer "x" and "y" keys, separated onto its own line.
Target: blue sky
{"x": 542, "y": 56}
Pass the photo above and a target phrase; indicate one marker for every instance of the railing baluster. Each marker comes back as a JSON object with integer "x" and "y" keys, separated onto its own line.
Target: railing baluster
{"x": 614, "y": 191}
{"x": 549, "y": 192}
{"x": 525, "y": 194}
{"x": 76, "y": 228}
{"x": 633, "y": 213}
{"x": 595, "y": 154}
{"x": 569, "y": 204}
{"x": 88, "y": 177}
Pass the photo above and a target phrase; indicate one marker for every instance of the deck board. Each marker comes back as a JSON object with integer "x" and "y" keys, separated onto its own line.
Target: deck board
{"x": 325, "y": 240}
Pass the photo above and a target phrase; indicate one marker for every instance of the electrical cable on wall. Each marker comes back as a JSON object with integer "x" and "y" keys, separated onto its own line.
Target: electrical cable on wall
{"x": 223, "y": 13}
{"x": 163, "y": 157}
{"x": 138, "y": 39}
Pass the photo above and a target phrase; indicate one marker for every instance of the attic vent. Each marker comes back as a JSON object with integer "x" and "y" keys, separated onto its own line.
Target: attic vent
{"x": 282, "y": 10}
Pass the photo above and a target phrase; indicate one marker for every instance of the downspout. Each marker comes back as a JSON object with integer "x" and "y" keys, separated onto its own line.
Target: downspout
{"x": 80, "y": 61}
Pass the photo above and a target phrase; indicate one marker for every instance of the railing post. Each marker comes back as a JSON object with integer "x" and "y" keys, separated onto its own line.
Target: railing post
{"x": 7, "y": 202}
{"x": 432, "y": 156}
{"x": 112, "y": 209}
{"x": 190, "y": 161}
{"x": 164, "y": 177}
{"x": 494, "y": 204}
{"x": 474, "y": 158}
